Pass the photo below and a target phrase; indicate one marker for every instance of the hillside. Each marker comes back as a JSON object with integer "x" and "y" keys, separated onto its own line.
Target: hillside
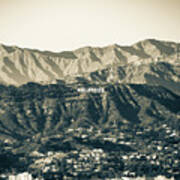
{"x": 92, "y": 113}
{"x": 146, "y": 62}
{"x": 32, "y": 109}
{"x": 38, "y": 122}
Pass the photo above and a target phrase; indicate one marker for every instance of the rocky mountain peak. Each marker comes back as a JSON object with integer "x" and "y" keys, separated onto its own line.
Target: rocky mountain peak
{"x": 19, "y": 66}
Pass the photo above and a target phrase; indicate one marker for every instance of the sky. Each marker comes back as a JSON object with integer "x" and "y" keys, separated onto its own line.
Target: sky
{"x": 59, "y": 25}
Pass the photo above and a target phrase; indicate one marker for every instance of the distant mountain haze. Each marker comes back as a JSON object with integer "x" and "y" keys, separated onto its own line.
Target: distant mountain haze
{"x": 146, "y": 62}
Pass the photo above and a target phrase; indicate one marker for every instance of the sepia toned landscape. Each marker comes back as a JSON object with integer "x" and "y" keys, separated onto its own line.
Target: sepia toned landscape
{"x": 89, "y": 90}
{"x": 92, "y": 113}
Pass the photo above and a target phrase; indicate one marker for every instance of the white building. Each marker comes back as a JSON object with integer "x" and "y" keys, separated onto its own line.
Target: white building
{"x": 22, "y": 176}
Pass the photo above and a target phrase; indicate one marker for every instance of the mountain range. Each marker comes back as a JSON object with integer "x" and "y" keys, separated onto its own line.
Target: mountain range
{"x": 146, "y": 62}
{"x": 39, "y": 90}
{"x": 42, "y": 109}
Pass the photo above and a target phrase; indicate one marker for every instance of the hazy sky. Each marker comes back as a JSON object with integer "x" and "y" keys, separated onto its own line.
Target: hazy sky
{"x": 69, "y": 24}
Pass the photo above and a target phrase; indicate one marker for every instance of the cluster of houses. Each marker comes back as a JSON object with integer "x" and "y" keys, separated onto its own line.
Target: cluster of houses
{"x": 86, "y": 161}
{"x": 156, "y": 152}
{"x": 21, "y": 176}
{"x": 27, "y": 176}
{"x": 146, "y": 178}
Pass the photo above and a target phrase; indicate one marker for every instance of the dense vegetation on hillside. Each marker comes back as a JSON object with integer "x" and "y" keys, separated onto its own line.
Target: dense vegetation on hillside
{"x": 126, "y": 120}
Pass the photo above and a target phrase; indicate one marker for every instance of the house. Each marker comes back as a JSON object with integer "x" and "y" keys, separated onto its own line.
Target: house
{"x": 21, "y": 176}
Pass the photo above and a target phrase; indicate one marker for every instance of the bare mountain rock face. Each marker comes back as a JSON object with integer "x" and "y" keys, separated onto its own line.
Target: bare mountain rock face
{"x": 147, "y": 62}
{"x": 120, "y": 103}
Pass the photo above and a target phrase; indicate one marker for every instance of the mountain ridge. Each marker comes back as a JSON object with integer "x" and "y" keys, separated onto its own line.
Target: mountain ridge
{"x": 88, "y": 46}
{"x": 132, "y": 121}
{"x": 21, "y": 65}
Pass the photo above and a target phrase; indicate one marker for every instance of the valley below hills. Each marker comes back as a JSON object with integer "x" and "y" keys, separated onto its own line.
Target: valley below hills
{"x": 91, "y": 113}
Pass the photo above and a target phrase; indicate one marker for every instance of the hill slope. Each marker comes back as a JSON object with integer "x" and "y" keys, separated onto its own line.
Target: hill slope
{"x": 32, "y": 109}
{"x": 116, "y": 107}
{"x": 149, "y": 61}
